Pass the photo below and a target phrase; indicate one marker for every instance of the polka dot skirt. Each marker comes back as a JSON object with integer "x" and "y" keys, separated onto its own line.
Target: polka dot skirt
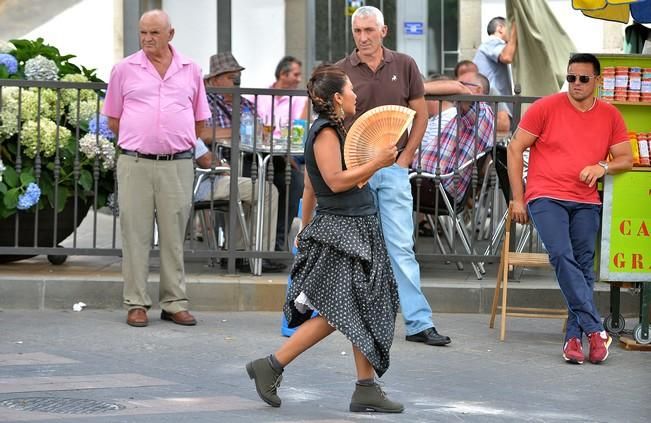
{"x": 344, "y": 270}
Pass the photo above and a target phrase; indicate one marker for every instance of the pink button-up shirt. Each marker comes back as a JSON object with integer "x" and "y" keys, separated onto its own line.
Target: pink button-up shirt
{"x": 157, "y": 115}
{"x": 282, "y": 113}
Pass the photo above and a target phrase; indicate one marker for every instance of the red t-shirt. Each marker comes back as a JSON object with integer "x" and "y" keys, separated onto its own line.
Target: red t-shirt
{"x": 568, "y": 140}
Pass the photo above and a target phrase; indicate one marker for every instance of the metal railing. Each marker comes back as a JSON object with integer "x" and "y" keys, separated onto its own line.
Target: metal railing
{"x": 44, "y": 139}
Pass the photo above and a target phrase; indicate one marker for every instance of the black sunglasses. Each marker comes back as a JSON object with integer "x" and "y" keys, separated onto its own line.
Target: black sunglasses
{"x": 584, "y": 79}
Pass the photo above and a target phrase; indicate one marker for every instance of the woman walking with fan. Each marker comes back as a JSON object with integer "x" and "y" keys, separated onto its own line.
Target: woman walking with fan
{"x": 342, "y": 269}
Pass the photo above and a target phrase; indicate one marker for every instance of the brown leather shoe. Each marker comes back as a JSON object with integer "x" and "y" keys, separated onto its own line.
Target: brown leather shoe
{"x": 137, "y": 317}
{"x": 180, "y": 318}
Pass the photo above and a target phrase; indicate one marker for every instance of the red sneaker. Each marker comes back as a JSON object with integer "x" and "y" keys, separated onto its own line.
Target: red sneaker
{"x": 573, "y": 351}
{"x": 599, "y": 343}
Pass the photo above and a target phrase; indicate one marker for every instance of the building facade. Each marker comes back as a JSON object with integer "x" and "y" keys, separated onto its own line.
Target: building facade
{"x": 437, "y": 33}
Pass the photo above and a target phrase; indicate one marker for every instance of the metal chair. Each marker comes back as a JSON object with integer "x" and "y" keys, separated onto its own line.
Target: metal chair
{"x": 208, "y": 209}
{"x": 501, "y": 169}
{"x": 438, "y": 204}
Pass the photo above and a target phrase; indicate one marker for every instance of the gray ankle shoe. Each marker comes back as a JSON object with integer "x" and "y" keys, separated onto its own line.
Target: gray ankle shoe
{"x": 267, "y": 380}
{"x": 373, "y": 398}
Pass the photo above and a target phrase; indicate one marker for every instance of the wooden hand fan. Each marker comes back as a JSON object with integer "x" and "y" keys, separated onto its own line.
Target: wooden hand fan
{"x": 378, "y": 128}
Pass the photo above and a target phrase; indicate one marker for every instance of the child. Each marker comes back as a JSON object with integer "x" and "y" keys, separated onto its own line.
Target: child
{"x": 342, "y": 269}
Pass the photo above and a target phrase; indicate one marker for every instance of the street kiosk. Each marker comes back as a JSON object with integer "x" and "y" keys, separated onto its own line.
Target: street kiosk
{"x": 625, "y": 259}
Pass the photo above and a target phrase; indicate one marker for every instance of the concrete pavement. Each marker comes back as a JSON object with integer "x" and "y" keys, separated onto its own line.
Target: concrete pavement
{"x": 95, "y": 368}
{"x": 59, "y": 365}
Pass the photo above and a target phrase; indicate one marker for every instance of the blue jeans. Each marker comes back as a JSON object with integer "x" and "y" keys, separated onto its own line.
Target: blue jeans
{"x": 569, "y": 231}
{"x": 392, "y": 192}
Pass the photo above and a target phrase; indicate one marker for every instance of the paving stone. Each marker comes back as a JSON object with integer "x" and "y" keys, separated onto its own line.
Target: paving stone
{"x": 169, "y": 373}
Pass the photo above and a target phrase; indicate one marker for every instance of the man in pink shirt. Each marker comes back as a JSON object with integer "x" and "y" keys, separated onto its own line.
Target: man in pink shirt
{"x": 156, "y": 103}
{"x": 288, "y": 77}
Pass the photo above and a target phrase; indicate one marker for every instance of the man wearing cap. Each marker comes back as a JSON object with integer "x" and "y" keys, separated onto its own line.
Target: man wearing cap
{"x": 156, "y": 102}
{"x": 224, "y": 72}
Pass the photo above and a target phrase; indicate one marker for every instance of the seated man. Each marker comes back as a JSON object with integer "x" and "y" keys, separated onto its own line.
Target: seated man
{"x": 224, "y": 72}
{"x": 288, "y": 77}
{"x": 440, "y": 111}
{"x": 456, "y": 151}
{"x": 442, "y": 86}
{"x": 464, "y": 66}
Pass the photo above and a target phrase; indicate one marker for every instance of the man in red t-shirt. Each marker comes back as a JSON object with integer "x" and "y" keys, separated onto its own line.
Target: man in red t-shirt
{"x": 569, "y": 136}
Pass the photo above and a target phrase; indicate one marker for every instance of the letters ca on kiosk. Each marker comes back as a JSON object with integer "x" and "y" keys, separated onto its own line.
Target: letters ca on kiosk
{"x": 626, "y": 227}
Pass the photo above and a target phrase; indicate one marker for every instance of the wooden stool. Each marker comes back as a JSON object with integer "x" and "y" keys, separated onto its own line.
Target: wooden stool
{"x": 508, "y": 260}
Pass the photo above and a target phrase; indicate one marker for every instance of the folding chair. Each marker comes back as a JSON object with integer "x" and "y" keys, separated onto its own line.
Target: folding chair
{"x": 483, "y": 204}
{"x": 442, "y": 206}
{"x": 499, "y": 161}
{"x": 508, "y": 260}
{"x": 208, "y": 208}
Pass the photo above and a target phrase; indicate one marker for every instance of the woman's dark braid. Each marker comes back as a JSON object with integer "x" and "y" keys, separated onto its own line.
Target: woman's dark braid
{"x": 326, "y": 108}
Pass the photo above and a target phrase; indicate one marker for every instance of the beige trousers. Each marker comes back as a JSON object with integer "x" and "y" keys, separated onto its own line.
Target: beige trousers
{"x": 149, "y": 189}
{"x": 221, "y": 191}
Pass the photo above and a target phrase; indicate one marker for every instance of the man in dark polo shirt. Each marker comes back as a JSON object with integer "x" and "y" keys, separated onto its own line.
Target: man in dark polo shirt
{"x": 381, "y": 76}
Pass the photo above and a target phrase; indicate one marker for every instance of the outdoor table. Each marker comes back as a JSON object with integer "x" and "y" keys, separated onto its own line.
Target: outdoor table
{"x": 264, "y": 153}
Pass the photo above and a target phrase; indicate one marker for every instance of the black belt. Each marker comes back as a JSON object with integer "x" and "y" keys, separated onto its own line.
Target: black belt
{"x": 176, "y": 156}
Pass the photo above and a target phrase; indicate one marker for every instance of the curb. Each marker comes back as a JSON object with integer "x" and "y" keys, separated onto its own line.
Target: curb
{"x": 238, "y": 293}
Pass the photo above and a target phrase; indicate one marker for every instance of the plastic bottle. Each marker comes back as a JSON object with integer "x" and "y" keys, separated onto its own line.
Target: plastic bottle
{"x": 258, "y": 131}
{"x": 246, "y": 127}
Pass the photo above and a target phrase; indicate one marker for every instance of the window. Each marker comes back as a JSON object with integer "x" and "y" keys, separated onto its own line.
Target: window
{"x": 443, "y": 36}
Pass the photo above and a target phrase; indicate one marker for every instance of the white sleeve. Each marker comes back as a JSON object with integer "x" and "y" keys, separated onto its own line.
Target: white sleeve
{"x": 200, "y": 148}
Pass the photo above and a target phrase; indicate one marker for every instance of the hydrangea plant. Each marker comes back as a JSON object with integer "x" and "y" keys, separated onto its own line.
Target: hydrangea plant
{"x": 9, "y": 62}
{"x": 30, "y": 197}
{"x": 40, "y": 68}
{"x": 52, "y": 140}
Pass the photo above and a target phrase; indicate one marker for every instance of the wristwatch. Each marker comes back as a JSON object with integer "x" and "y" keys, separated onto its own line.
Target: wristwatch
{"x": 604, "y": 164}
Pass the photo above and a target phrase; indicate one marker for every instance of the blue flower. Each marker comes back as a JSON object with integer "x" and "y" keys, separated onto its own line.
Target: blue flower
{"x": 104, "y": 129}
{"x": 30, "y": 197}
{"x": 9, "y": 62}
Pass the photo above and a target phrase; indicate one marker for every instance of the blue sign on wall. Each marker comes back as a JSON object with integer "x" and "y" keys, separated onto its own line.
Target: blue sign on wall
{"x": 413, "y": 28}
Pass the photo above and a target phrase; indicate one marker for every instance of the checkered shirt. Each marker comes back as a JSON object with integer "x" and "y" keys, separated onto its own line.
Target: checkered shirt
{"x": 222, "y": 113}
{"x": 453, "y": 153}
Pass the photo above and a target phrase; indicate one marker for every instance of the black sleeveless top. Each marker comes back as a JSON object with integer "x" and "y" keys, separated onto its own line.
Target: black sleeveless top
{"x": 354, "y": 202}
